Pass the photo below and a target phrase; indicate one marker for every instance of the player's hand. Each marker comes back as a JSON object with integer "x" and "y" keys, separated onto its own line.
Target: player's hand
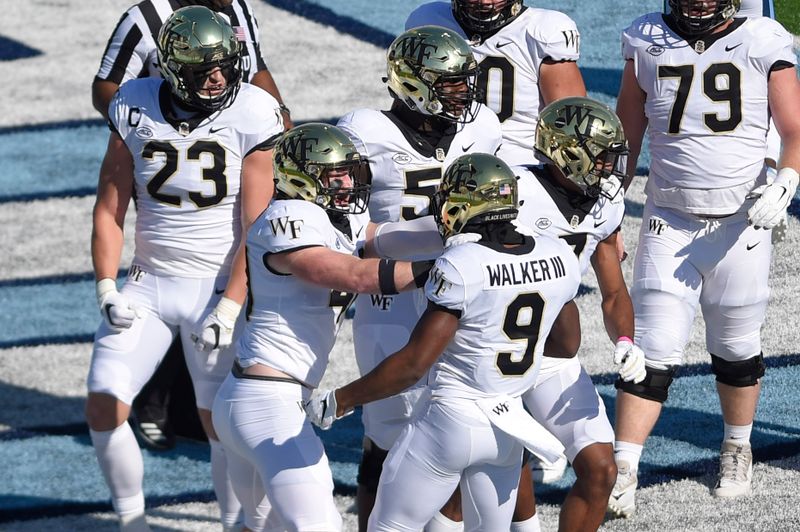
{"x": 117, "y": 310}
{"x": 773, "y": 200}
{"x": 216, "y": 331}
{"x": 631, "y": 361}
{"x": 321, "y": 408}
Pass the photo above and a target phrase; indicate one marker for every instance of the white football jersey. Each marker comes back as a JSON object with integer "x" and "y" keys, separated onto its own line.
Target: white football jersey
{"x": 549, "y": 209}
{"x": 405, "y": 174}
{"x": 507, "y": 301}
{"x": 292, "y": 324}
{"x": 187, "y": 182}
{"x": 509, "y": 60}
{"x": 707, "y": 108}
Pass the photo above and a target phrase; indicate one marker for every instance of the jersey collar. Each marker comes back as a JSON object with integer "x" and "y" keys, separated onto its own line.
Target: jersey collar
{"x": 701, "y": 43}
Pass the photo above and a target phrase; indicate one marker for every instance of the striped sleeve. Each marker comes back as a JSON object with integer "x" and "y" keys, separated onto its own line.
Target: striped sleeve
{"x": 122, "y": 59}
{"x": 245, "y": 17}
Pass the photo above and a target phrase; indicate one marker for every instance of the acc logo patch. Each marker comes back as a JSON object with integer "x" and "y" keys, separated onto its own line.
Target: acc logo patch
{"x": 655, "y": 50}
{"x": 543, "y": 223}
{"x": 401, "y": 158}
{"x": 144, "y": 132}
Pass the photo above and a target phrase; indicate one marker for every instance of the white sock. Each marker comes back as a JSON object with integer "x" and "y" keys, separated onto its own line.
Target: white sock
{"x": 229, "y": 507}
{"x": 528, "y": 525}
{"x": 440, "y": 523}
{"x": 741, "y": 433}
{"x": 120, "y": 460}
{"x": 628, "y": 452}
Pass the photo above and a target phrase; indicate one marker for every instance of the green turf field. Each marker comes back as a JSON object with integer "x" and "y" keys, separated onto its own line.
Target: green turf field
{"x": 788, "y": 14}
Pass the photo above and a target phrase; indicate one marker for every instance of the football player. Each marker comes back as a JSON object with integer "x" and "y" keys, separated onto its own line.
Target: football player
{"x": 576, "y": 196}
{"x": 527, "y": 57}
{"x": 433, "y": 119}
{"x": 704, "y": 84}
{"x": 194, "y": 148}
{"x": 493, "y": 296}
{"x": 301, "y": 256}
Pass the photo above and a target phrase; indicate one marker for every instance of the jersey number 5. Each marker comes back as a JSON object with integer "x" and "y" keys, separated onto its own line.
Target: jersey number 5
{"x": 215, "y": 173}
{"x": 522, "y": 323}
{"x": 724, "y": 75}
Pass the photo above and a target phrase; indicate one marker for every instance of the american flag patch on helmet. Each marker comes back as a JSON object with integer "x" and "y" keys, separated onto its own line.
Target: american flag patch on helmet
{"x": 505, "y": 189}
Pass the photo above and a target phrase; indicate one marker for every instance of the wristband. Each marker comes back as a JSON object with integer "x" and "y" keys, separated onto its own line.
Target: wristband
{"x": 624, "y": 339}
{"x": 105, "y": 286}
{"x": 420, "y": 270}
{"x": 228, "y": 309}
{"x": 386, "y": 277}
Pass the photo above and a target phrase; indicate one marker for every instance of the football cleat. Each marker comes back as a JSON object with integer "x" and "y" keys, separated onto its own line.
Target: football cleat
{"x": 153, "y": 433}
{"x": 621, "y": 503}
{"x": 735, "y": 469}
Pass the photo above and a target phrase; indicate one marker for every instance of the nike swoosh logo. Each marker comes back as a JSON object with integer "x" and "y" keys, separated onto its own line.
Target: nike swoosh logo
{"x": 729, "y": 48}
{"x": 598, "y": 224}
{"x": 218, "y": 292}
{"x": 501, "y": 44}
{"x": 212, "y": 130}
{"x": 465, "y": 148}
{"x": 751, "y": 246}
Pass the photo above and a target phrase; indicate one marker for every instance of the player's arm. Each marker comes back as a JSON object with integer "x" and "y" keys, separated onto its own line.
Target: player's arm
{"x": 616, "y": 302}
{"x": 784, "y": 102}
{"x": 404, "y": 240}
{"x": 102, "y": 92}
{"x": 114, "y": 190}
{"x": 216, "y": 330}
{"x": 263, "y": 79}
{"x": 347, "y": 273}
{"x": 435, "y": 329}
{"x": 630, "y": 109}
{"x": 618, "y": 310}
{"x": 124, "y": 59}
{"x": 560, "y": 79}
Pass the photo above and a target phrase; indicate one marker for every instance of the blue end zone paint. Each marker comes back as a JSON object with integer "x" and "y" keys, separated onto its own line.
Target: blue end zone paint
{"x": 11, "y": 50}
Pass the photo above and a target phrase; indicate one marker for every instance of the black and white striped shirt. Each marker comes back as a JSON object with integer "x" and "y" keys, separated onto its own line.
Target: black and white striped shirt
{"x": 131, "y": 50}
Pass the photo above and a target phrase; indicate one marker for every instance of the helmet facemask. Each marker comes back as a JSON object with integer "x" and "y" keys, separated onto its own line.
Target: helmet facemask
{"x": 481, "y": 18}
{"x": 697, "y": 17}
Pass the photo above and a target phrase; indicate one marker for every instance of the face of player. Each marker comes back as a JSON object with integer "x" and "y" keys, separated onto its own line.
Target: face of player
{"x": 485, "y": 9}
{"x": 454, "y": 96}
{"x": 214, "y": 84}
{"x": 336, "y": 179}
{"x": 699, "y": 8}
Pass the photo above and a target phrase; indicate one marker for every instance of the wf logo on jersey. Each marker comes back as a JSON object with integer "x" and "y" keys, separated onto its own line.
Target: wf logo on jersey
{"x": 381, "y": 302}
{"x": 572, "y": 39}
{"x": 136, "y": 273}
{"x": 656, "y": 226}
{"x": 439, "y": 281}
{"x": 286, "y": 226}
{"x": 500, "y": 408}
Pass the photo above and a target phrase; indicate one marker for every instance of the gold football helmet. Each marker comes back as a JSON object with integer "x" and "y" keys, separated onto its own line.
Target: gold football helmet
{"x": 475, "y": 188}
{"x": 483, "y": 17}
{"x": 193, "y": 41}
{"x": 433, "y": 71}
{"x": 315, "y": 161}
{"x": 697, "y": 17}
{"x": 584, "y": 139}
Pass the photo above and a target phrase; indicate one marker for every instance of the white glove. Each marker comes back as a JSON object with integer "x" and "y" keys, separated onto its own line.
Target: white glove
{"x": 117, "y": 310}
{"x": 216, "y": 331}
{"x": 631, "y": 358}
{"x": 773, "y": 199}
{"x": 611, "y": 186}
{"x": 321, "y": 408}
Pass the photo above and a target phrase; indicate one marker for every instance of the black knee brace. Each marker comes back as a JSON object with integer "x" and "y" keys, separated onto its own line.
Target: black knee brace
{"x": 654, "y": 387}
{"x": 741, "y": 373}
{"x": 369, "y": 470}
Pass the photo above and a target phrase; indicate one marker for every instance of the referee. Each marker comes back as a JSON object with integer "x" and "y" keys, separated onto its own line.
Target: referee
{"x": 131, "y": 50}
{"x": 131, "y": 53}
